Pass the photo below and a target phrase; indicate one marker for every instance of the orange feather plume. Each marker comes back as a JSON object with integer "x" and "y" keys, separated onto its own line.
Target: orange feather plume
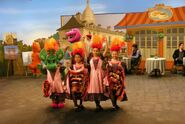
{"x": 51, "y": 44}
{"x": 96, "y": 42}
{"x": 116, "y": 44}
{"x": 78, "y": 48}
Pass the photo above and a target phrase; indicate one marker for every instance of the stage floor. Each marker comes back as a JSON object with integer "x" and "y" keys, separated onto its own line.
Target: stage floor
{"x": 151, "y": 100}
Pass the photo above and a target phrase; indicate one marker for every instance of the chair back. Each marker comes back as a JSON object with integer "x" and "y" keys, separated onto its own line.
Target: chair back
{"x": 139, "y": 60}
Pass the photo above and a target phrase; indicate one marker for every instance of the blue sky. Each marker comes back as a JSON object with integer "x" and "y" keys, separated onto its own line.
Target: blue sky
{"x": 32, "y": 19}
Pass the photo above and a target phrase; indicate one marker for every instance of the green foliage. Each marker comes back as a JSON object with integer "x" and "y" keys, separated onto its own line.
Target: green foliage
{"x": 29, "y": 48}
{"x": 56, "y": 36}
{"x": 1, "y": 47}
{"x": 20, "y": 45}
{"x": 3, "y": 63}
{"x": 3, "y": 66}
{"x": 160, "y": 35}
{"x": 128, "y": 37}
{"x": 26, "y": 48}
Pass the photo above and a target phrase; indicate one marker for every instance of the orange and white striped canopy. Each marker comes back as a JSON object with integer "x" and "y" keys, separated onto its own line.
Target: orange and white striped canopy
{"x": 141, "y": 19}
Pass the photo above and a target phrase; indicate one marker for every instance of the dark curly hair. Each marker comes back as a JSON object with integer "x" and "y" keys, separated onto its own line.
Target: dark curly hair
{"x": 73, "y": 58}
{"x": 180, "y": 44}
{"x": 135, "y": 46}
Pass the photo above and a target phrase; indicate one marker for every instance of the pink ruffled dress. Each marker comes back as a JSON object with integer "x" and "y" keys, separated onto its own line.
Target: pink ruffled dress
{"x": 56, "y": 90}
{"x": 95, "y": 89}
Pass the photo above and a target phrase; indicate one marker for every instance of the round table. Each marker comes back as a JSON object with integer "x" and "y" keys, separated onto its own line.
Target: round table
{"x": 127, "y": 61}
{"x": 155, "y": 64}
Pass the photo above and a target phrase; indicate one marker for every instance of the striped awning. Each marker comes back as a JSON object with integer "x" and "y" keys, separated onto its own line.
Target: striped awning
{"x": 141, "y": 19}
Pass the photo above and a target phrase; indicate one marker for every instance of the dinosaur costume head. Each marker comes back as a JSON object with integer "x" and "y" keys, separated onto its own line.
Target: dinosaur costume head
{"x": 51, "y": 54}
{"x": 74, "y": 38}
{"x": 36, "y": 47}
{"x": 73, "y": 35}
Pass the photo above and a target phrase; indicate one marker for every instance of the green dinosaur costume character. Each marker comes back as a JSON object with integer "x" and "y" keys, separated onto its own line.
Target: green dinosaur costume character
{"x": 53, "y": 86}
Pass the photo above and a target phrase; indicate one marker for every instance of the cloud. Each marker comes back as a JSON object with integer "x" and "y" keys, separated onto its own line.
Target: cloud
{"x": 29, "y": 30}
{"x": 65, "y": 10}
{"x": 27, "y": 11}
{"x": 97, "y": 8}
{"x": 28, "y": 38}
{"x": 9, "y": 11}
{"x": 41, "y": 22}
{"x": 175, "y": 3}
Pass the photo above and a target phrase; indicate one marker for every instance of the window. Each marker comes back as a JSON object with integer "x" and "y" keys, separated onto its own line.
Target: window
{"x": 168, "y": 38}
{"x": 181, "y": 35}
{"x": 142, "y": 37}
{"x": 137, "y": 38}
{"x": 154, "y": 39}
{"x": 149, "y": 38}
{"x": 147, "y": 42}
{"x": 174, "y": 37}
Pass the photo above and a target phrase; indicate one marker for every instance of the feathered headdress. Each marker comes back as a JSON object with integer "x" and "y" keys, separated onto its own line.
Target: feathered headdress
{"x": 51, "y": 44}
{"x": 78, "y": 48}
{"x": 116, "y": 44}
{"x": 96, "y": 42}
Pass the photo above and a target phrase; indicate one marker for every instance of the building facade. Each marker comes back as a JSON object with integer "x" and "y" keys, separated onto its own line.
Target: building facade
{"x": 88, "y": 24}
{"x": 157, "y": 31}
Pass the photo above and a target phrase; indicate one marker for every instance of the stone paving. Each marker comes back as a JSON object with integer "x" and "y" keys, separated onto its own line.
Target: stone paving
{"x": 152, "y": 100}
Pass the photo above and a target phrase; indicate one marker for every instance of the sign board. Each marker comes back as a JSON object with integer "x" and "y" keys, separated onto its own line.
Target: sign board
{"x": 160, "y": 13}
{"x": 27, "y": 58}
{"x": 11, "y": 52}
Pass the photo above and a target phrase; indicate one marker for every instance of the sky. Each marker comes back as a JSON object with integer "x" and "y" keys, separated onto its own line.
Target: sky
{"x": 32, "y": 19}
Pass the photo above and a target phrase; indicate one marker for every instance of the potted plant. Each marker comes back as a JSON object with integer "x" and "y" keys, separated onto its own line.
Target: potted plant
{"x": 128, "y": 37}
{"x": 160, "y": 35}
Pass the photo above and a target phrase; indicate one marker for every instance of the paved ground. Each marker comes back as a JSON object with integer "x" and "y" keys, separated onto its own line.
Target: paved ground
{"x": 151, "y": 101}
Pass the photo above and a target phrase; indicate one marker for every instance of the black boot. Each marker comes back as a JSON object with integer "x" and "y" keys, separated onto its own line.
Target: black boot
{"x": 76, "y": 107}
{"x": 115, "y": 106}
{"x": 81, "y": 105}
{"x": 98, "y": 106}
